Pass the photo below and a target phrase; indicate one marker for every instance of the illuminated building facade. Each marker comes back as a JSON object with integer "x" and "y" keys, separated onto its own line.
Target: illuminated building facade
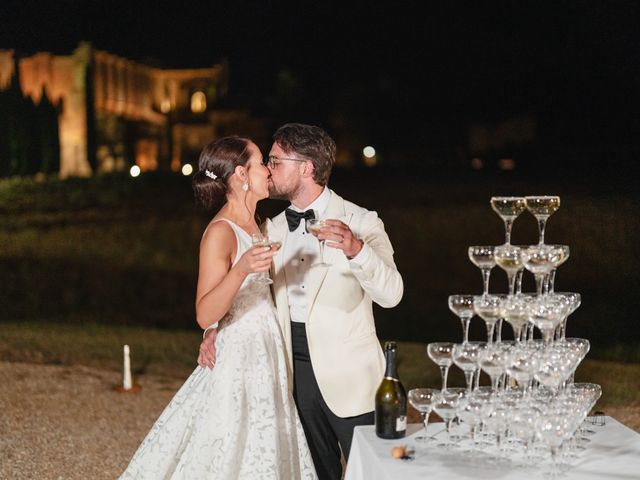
{"x": 115, "y": 112}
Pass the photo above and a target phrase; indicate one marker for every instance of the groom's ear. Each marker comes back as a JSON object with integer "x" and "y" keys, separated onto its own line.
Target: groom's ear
{"x": 308, "y": 169}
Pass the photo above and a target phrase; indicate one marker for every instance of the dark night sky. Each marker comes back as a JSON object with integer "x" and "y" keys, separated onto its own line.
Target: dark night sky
{"x": 395, "y": 70}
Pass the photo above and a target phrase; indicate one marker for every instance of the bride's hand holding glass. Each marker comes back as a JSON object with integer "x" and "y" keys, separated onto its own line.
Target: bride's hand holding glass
{"x": 257, "y": 260}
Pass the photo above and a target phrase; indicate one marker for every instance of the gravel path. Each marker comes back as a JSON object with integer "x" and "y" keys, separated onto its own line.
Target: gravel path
{"x": 59, "y": 422}
{"x": 67, "y": 422}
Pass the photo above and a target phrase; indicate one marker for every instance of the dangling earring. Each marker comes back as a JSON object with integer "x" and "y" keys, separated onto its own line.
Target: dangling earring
{"x": 245, "y": 187}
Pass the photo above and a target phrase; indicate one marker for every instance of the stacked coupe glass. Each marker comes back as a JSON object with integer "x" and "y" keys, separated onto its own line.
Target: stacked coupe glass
{"x": 533, "y": 407}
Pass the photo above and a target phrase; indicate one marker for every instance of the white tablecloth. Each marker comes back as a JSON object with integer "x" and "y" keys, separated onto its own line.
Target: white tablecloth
{"x": 613, "y": 453}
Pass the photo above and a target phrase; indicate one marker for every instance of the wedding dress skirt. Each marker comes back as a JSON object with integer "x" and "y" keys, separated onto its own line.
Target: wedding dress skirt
{"x": 238, "y": 420}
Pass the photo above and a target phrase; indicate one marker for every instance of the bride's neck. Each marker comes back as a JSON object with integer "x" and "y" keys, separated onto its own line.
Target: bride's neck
{"x": 239, "y": 213}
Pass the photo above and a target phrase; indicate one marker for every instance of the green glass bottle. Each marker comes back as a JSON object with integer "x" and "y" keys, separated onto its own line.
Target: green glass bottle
{"x": 391, "y": 399}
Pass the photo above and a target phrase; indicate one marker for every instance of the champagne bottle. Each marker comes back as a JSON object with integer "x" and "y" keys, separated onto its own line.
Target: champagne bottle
{"x": 391, "y": 399}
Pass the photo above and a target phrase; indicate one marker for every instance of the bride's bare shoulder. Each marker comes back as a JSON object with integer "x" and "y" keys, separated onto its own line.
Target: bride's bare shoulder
{"x": 218, "y": 234}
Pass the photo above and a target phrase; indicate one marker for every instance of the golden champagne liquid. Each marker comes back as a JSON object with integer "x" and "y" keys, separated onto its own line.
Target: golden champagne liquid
{"x": 487, "y": 312}
{"x": 543, "y": 206}
{"x": 315, "y": 229}
{"x": 509, "y": 263}
{"x": 275, "y": 245}
{"x": 509, "y": 207}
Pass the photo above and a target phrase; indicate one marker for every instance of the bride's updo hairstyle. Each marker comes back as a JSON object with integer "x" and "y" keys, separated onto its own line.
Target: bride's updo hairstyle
{"x": 216, "y": 164}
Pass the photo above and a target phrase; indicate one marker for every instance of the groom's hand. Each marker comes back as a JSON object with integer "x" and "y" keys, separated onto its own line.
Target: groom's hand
{"x": 339, "y": 235}
{"x": 207, "y": 355}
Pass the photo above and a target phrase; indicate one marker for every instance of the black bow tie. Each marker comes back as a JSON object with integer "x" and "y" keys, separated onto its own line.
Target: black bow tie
{"x": 293, "y": 217}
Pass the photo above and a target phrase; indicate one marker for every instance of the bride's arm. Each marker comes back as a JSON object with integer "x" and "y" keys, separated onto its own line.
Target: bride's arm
{"x": 218, "y": 281}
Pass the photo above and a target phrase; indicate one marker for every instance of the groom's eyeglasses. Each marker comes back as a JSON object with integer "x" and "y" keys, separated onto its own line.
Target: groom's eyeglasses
{"x": 272, "y": 162}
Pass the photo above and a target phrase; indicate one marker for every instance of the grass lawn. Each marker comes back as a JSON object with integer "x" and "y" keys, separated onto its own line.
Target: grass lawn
{"x": 124, "y": 251}
{"x": 173, "y": 353}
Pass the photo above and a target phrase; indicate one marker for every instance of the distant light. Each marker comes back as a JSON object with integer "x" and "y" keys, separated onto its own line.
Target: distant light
{"x": 198, "y": 102}
{"x": 476, "y": 163}
{"x": 165, "y": 106}
{"x": 187, "y": 169}
{"x": 134, "y": 171}
{"x": 506, "y": 164}
{"x": 369, "y": 152}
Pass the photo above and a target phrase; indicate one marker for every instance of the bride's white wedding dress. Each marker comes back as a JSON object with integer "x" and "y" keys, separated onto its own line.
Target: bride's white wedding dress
{"x": 238, "y": 420}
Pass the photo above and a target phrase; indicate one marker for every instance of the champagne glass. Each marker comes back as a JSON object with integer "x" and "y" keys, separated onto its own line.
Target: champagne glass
{"x": 487, "y": 307}
{"x": 462, "y": 400}
{"x": 574, "y": 402}
{"x": 441, "y": 353}
{"x": 422, "y": 399}
{"x": 493, "y": 362}
{"x": 594, "y": 391}
{"x": 462, "y": 306}
{"x": 563, "y": 256}
{"x": 510, "y": 259}
{"x": 553, "y": 429}
{"x": 554, "y": 367}
{"x": 542, "y": 207}
{"x": 573, "y": 301}
{"x": 496, "y": 420}
{"x": 482, "y": 257}
{"x": 514, "y": 310}
{"x": 446, "y": 406}
{"x": 546, "y": 313}
{"x": 508, "y": 208}
{"x": 260, "y": 240}
{"x": 471, "y": 414}
{"x": 465, "y": 356}
{"x": 522, "y": 364}
{"x": 505, "y": 346}
{"x": 314, "y": 226}
{"x": 579, "y": 347}
{"x": 540, "y": 260}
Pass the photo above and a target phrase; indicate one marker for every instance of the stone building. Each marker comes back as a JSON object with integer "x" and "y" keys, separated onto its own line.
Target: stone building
{"x": 115, "y": 112}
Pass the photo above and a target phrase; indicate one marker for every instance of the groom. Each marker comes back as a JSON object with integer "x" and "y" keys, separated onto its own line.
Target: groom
{"x": 325, "y": 312}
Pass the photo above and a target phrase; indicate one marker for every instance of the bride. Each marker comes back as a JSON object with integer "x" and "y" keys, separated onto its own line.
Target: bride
{"x": 237, "y": 420}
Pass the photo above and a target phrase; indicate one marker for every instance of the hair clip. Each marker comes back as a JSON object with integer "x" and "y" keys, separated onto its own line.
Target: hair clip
{"x": 210, "y": 174}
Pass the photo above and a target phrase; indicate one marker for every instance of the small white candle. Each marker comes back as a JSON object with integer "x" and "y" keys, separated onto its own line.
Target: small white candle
{"x": 126, "y": 383}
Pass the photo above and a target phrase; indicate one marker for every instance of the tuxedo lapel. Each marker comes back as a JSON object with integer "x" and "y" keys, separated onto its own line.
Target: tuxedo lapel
{"x": 278, "y": 231}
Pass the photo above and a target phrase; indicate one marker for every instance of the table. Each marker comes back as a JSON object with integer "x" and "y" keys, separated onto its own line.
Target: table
{"x": 613, "y": 453}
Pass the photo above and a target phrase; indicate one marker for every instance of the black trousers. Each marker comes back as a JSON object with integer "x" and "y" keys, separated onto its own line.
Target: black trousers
{"x": 326, "y": 433}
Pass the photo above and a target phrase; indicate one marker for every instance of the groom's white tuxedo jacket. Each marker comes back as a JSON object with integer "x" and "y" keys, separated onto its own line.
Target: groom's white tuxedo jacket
{"x": 345, "y": 352}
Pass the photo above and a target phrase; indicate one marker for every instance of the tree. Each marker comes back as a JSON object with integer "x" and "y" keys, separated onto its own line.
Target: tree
{"x": 47, "y": 118}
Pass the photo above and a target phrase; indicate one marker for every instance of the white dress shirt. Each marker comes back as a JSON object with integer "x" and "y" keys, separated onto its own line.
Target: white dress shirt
{"x": 301, "y": 250}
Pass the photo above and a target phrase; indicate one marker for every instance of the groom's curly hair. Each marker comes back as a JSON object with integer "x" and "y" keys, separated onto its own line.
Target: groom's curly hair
{"x": 310, "y": 142}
